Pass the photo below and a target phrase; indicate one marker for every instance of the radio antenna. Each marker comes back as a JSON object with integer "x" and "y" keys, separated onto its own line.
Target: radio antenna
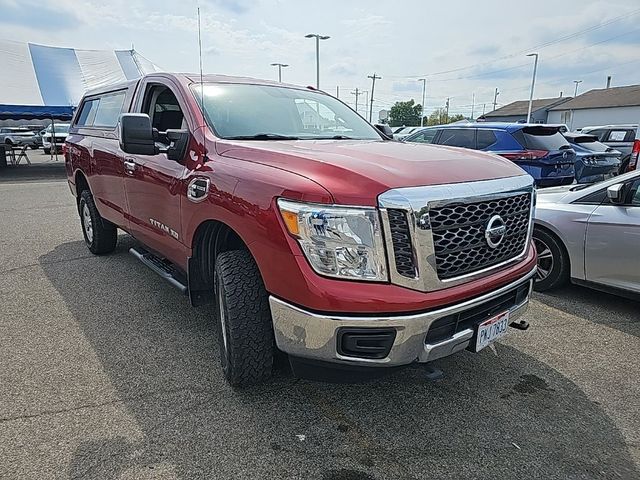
{"x": 203, "y": 126}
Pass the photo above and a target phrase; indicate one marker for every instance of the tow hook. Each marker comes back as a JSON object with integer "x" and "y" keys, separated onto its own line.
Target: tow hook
{"x": 520, "y": 325}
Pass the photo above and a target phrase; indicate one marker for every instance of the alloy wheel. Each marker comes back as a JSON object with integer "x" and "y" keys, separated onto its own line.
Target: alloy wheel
{"x": 545, "y": 259}
{"x": 87, "y": 223}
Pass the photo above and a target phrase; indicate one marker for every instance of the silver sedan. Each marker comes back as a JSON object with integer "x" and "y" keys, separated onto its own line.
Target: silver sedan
{"x": 590, "y": 235}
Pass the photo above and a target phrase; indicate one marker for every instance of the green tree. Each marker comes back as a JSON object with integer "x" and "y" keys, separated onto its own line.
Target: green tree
{"x": 439, "y": 117}
{"x": 405, "y": 113}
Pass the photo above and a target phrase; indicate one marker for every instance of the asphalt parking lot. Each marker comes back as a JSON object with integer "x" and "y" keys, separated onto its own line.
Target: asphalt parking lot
{"x": 106, "y": 372}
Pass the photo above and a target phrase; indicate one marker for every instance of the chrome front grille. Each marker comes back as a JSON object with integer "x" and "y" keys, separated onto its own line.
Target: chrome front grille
{"x": 401, "y": 238}
{"x": 459, "y": 234}
{"x": 444, "y": 235}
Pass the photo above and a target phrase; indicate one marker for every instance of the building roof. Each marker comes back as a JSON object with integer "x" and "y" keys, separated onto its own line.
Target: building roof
{"x": 628, "y": 96}
{"x": 521, "y": 107}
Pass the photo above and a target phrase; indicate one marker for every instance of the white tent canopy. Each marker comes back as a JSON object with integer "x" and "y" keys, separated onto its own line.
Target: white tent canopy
{"x": 44, "y": 82}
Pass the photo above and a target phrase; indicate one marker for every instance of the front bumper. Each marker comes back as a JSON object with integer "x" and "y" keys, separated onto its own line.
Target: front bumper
{"x": 315, "y": 336}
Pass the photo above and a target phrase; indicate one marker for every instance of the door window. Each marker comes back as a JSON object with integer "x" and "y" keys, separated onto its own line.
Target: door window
{"x": 617, "y": 135}
{"x": 458, "y": 137}
{"x": 88, "y": 113}
{"x": 425, "y": 136}
{"x": 485, "y": 139}
{"x": 162, "y": 106}
{"x": 109, "y": 110}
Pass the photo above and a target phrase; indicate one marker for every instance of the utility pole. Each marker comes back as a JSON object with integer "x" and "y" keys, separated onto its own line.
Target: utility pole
{"x": 446, "y": 115}
{"x": 357, "y": 93}
{"x": 424, "y": 92}
{"x": 577, "y": 82}
{"x": 280, "y": 67}
{"x": 473, "y": 104}
{"x": 337, "y": 91}
{"x": 495, "y": 98}
{"x": 373, "y": 78}
{"x": 318, "y": 38}
{"x": 483, "y": 108}
{"x": 533, "y": 83}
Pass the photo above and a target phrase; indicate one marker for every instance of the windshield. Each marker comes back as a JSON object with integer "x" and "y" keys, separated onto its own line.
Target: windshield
{"x": 264, "y": 112}
{"x": 60, "y": 128}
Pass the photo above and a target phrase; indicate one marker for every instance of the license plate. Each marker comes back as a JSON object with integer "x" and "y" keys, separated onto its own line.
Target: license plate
{"x": 491, "y": 330}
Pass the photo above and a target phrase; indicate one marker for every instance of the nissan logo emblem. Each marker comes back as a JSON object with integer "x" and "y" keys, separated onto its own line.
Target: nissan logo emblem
{"x": 495, "y": 231}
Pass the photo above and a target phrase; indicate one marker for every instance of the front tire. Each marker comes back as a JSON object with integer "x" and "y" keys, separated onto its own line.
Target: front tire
{"x": 99, "y": 235}
{"x": 553, "y": 261}
{"x": 245, "y": 329}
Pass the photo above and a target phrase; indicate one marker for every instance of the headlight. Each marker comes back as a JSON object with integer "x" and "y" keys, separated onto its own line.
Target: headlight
{"x": 344, "y": 242}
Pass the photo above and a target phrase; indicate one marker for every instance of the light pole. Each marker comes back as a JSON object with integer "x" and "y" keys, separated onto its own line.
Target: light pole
{"x": 280, "y": 67}
{"x": 318, "y": 38}
{"x": 577, "y": 82}
{"x": 473, "y": 104}
{"x": 424, "y": 92}
{"x": 533, "y": 83}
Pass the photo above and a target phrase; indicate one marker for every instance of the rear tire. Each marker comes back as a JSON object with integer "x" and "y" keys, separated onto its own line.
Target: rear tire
{"x": 47, "y": 151}
{"x": 100, "y": 235}
{"x": 245, "y": 329}
{"x": 553, "y": 261}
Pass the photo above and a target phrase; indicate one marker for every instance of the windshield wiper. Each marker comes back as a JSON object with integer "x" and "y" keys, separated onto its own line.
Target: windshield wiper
{"x": 263, "y": 136}
{"x": 334, "y": 137}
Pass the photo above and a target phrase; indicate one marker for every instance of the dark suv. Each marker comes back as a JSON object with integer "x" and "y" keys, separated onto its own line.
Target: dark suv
{"x": 540, "y": 150}
{"x": 620, "y": 137}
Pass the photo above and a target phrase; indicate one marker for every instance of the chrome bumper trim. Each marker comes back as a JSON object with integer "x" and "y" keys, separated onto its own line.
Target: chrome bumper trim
{"x": 310, "y": 335}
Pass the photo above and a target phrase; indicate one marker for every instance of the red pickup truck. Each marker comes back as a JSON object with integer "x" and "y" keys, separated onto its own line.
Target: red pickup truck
{"x": 309, "y": 230}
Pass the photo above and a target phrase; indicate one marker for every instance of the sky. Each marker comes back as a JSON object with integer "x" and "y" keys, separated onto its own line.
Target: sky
{"x": 462, "y": 48}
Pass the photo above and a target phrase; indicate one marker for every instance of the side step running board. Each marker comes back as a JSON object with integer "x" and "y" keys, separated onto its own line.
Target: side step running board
{"x": 159, "y": 266}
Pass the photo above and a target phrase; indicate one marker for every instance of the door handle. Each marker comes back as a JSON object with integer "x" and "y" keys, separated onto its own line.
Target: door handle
{"x": 129, "y": 166}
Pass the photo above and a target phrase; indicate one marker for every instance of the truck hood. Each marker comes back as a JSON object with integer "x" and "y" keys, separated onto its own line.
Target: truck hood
{"x": 355, "y": 172}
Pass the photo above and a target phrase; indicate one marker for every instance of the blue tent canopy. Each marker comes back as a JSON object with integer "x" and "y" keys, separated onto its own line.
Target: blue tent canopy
{"x": 35, "y": 112}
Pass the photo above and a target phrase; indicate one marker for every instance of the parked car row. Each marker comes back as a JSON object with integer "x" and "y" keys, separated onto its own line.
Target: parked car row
{"x": 550, "y": 156}
{"x": 18, "y": 136}
{"x": 50, "y": 138}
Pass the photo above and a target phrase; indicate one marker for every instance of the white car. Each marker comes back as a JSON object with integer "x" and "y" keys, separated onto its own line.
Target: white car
{"x": 590, "y": 234}
{"x": 51, "y": 142}
{"x": 405, "y": 132}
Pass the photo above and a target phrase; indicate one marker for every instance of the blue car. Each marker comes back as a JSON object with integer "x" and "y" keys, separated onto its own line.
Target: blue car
{"x": 595, "y": 161}
{"x": 540, "y": 150}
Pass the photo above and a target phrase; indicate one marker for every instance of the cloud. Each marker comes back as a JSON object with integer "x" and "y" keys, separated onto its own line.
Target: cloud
{"x": 346, "y": 68}
{"x": 235, "y": 6}
{"x": 489, "y": 50}
{"x": 35, "y": 15}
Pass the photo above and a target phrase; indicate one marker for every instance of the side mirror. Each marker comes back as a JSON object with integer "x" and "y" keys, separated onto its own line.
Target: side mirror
{"x": 179, "y": 141}
{"x": 136, "y": 134}
{"x": 385, "y": 130}
{"x": 616, "y": 193}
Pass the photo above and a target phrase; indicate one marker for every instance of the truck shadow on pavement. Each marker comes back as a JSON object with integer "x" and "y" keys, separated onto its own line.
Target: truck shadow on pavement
{"x": 492, "y": 416}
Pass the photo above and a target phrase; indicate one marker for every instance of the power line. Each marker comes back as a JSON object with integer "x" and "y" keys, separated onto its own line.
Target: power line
{"x": 535, "y": 47}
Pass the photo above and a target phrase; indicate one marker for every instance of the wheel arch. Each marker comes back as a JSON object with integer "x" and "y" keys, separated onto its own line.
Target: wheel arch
{"x": 81, "y": 184}
{"x": 211, "y": 238}
{"x": 550, "y": 230}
